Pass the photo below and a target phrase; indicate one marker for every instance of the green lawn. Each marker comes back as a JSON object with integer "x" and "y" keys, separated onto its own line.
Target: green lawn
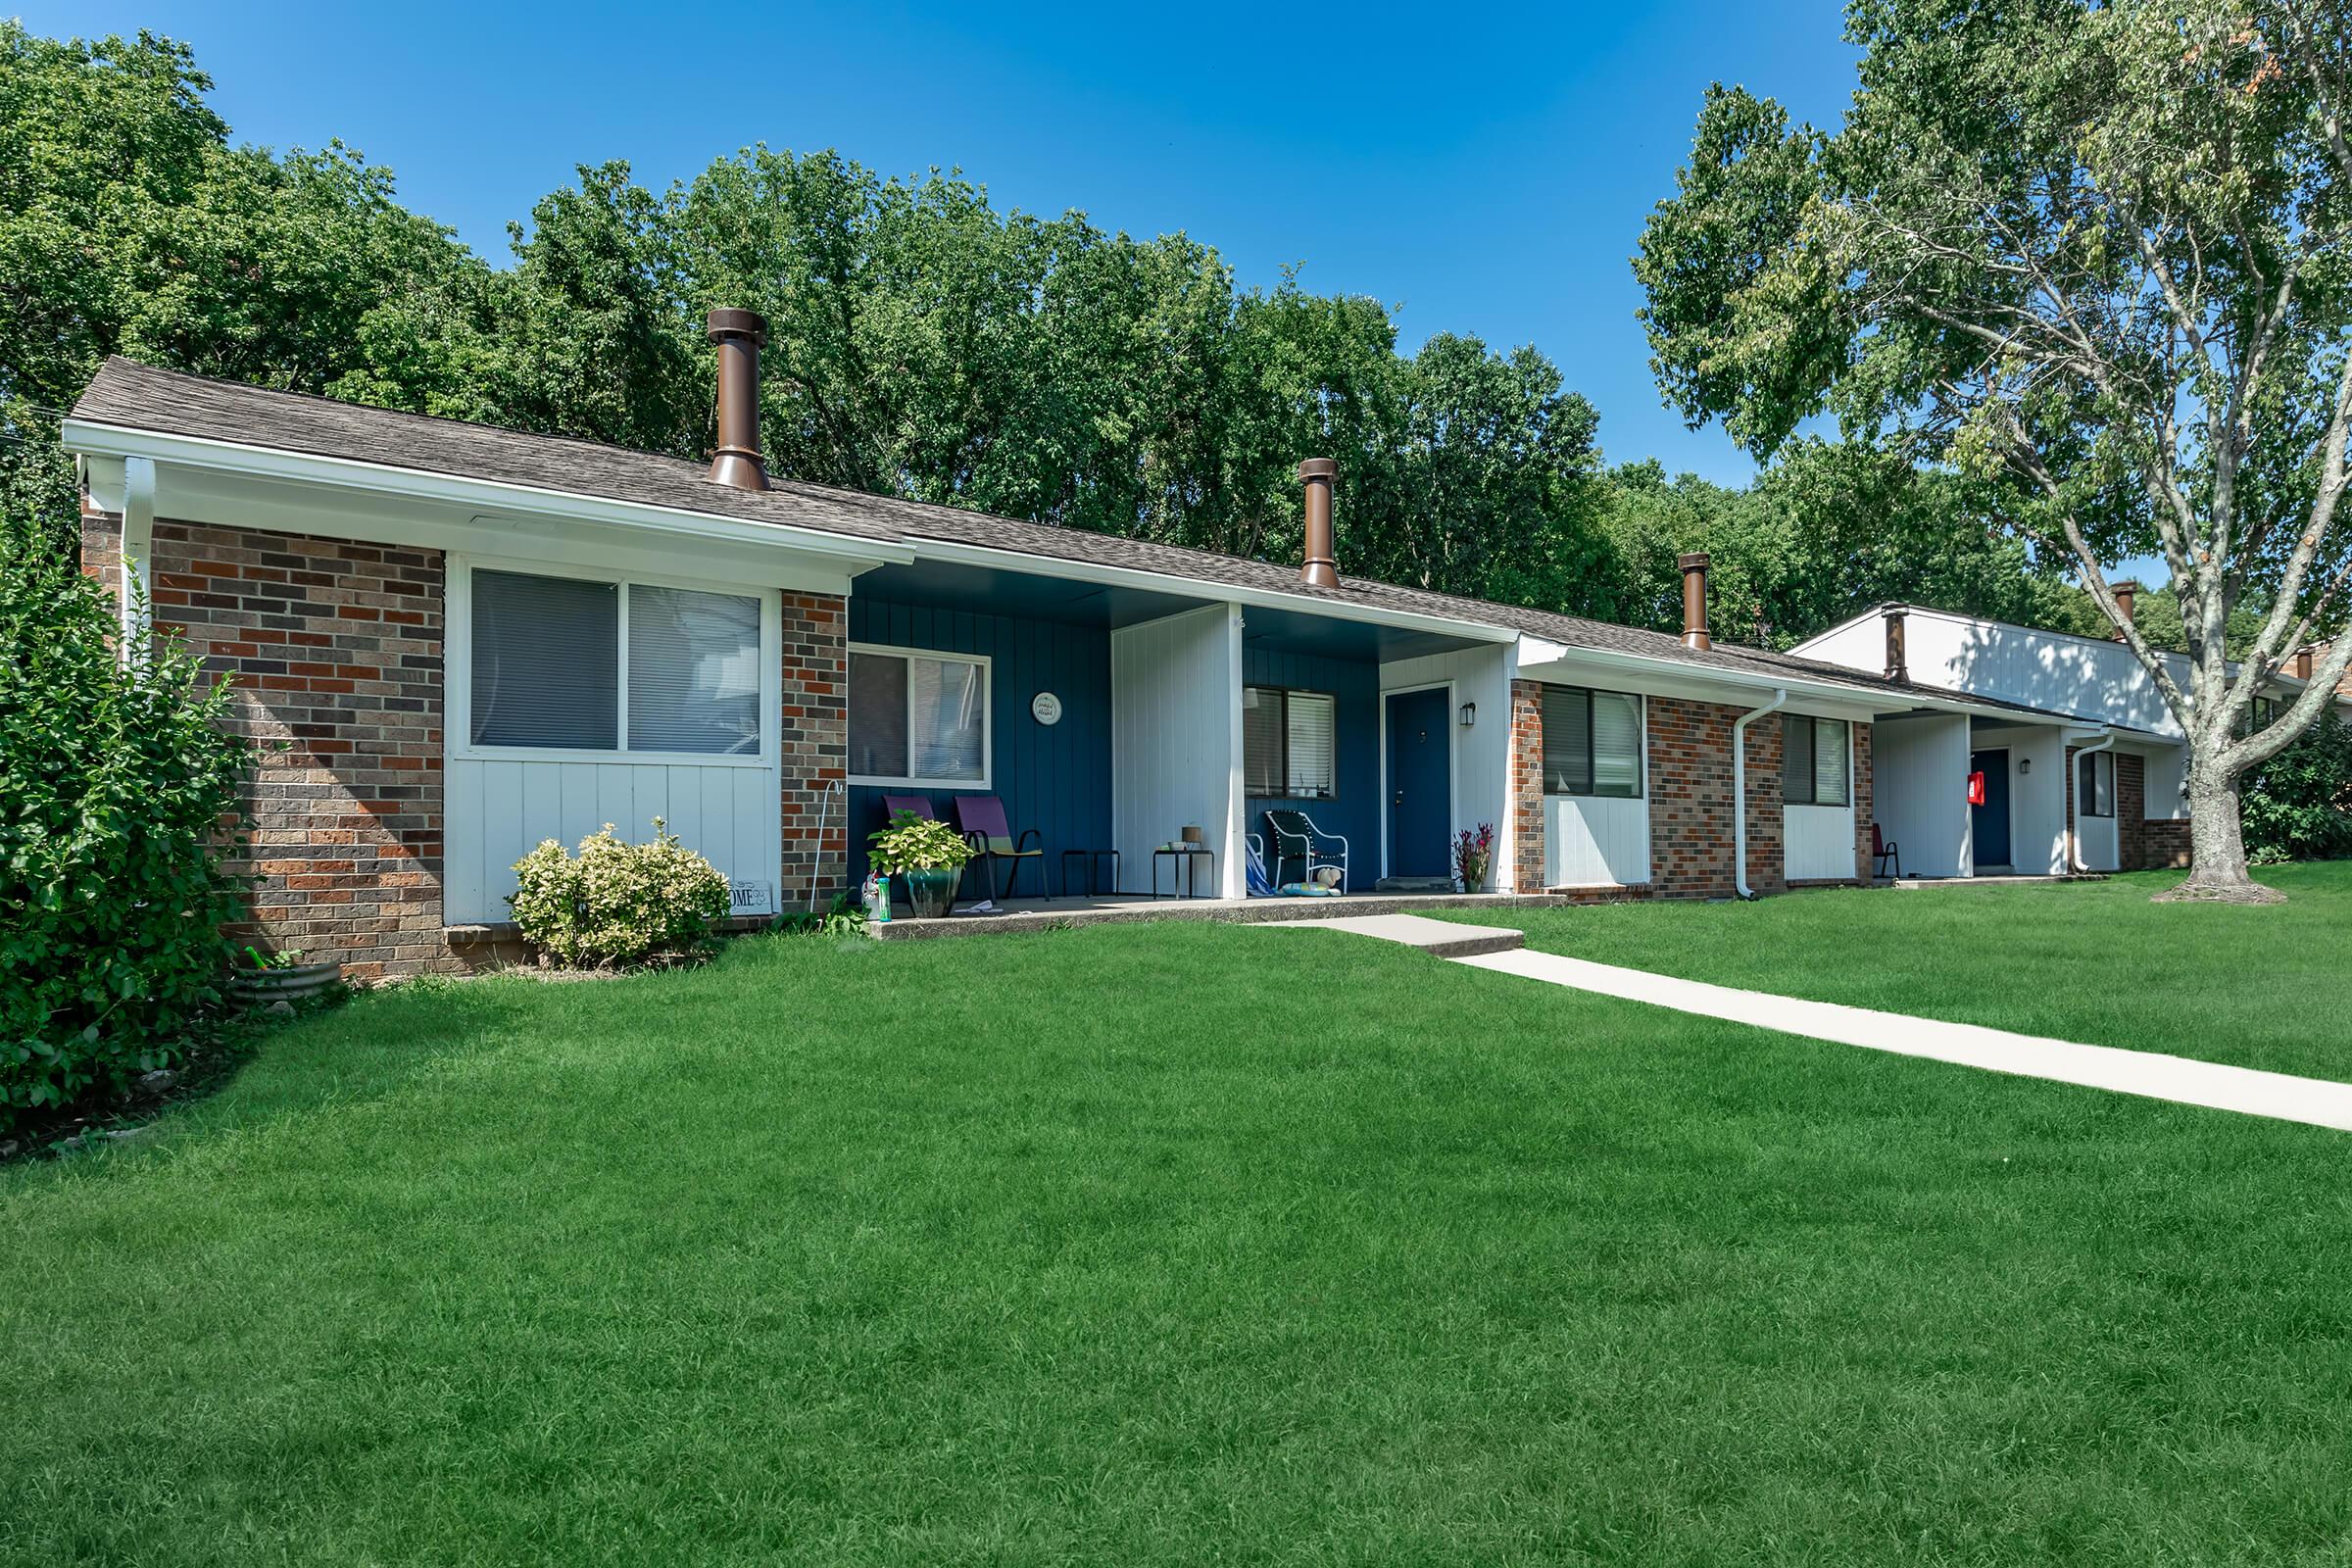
{"x": 1164, "y": 1245}
{"x": 2267, "y": 986}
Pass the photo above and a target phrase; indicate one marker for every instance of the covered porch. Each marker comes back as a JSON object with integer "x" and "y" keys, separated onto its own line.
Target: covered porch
{"x": 1972, "y": 796}
{"x": 1116, "y": 718}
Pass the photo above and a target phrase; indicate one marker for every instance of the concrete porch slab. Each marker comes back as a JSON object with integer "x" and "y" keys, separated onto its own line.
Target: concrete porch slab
{"x": 1439, "y": 938}
{"x": 1061, "y": 915}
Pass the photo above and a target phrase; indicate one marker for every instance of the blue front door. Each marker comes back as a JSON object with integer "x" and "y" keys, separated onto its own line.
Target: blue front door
{"x": 1420, "y": 784}
{"x": 1991, "y": 819}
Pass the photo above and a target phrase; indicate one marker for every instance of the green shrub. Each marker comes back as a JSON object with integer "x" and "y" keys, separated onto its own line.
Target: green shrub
{"x": 618, "y": 904}
{"x": 2298, "y": 804}
{"x": 117, "y": 794}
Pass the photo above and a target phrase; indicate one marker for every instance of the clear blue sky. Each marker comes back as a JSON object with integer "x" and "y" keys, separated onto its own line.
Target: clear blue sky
{"x": 1488, "y": 171}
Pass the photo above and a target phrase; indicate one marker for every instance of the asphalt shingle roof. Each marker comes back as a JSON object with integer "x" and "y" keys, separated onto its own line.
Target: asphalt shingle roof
{"x": 140, "y": 397}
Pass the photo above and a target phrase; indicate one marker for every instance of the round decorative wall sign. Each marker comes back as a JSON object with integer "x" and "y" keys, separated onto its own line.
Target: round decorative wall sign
{"x": 1046, "y": 708}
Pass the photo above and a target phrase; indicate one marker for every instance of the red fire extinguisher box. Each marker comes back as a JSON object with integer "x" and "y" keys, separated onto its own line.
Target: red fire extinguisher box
{"x": 1976, "y": 788}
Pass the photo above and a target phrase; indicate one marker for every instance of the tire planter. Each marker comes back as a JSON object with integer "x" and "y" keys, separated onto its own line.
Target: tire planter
{"x": 933, "y": 891}
{"x": 261, "y": 986}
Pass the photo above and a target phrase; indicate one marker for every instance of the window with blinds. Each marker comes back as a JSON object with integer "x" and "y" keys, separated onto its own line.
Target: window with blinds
{"x": 1816, "y": 761}
{"x": 546, "y": 662}
{"x": 550, "y": 671}
{"x": 694, "y": 671}
{"x": 2094, "y": 783}
{"x": 1591, "y": 743}
{"x": 1289, "y": 742}
{"x": 918, "y": 717}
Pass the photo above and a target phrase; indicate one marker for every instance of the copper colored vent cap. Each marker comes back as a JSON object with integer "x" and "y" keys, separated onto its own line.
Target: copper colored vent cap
{"x": 1318, "y": 468}
{"x": 725, "y": 324}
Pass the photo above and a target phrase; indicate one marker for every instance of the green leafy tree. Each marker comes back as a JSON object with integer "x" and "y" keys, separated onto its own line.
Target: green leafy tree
{"x": 2094, "y": 255}
{"x": 129, "y": 225}
{"x": 2298, "y": 804}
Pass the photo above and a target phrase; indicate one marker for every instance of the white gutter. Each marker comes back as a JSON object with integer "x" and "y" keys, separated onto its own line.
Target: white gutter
{"x": 1740, "y": 789}
{"x": 2073, "y": 823}
{"x": 495, "y": 495}
{"x": 1879, "y": 699}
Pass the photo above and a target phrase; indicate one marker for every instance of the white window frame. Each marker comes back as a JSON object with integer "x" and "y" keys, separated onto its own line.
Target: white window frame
{"x": 988, "y": 716}
{"x": 1640, "y": 743}
{"x": 457, "y": 677}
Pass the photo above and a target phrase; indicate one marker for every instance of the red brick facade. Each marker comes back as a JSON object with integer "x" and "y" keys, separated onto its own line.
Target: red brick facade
{"x": 334, "y": 652}
{"x": 1690, "y": 791}
{"x": 1865, "y": 804}
{"x": 1526, "y": 786}
{"x": 2144, "y": 843}
{"x": 815, "y": 749}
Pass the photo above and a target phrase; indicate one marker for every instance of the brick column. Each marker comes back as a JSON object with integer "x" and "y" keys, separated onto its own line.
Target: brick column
{"x": 815, "y": 737}
{"x": 1865, "y": 812}
{"x": 1767, "y": 853}
{"x": 2130, "y": 812}
{"x": 1528, "y": 847}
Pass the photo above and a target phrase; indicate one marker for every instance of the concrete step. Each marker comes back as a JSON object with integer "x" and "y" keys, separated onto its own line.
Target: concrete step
{"x": 1443, "y": 939}
{"x": 1413, "y": 884}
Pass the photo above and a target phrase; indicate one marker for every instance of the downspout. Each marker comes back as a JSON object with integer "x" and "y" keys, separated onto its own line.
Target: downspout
{"x": 1740, "y": 789}
{"x": 2074, "y": 790}
{"x": 133, "y": 546}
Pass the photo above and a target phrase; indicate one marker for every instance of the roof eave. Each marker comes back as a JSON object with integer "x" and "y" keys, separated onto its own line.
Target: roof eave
{"x": 89, "y": 437}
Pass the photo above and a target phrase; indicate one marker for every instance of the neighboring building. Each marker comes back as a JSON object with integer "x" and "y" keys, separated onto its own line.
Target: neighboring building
{"x": 2095, "y": 787}
{"x": 464, "y": 640}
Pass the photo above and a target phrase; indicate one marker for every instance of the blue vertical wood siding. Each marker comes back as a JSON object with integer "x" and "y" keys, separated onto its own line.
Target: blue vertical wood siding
{"x": 1356, "y": 814}
{"x": 1056, "y": 780}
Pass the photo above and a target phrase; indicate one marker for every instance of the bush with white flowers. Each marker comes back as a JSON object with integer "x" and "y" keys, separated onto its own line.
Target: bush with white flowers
{"x": 618, "y": 904}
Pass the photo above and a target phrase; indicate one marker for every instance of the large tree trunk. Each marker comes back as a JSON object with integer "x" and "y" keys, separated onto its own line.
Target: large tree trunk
{"x": 2217, "y": 870}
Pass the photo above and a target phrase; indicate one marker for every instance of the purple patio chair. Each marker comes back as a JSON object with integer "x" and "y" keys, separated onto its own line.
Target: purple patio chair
{"x": 982, "y": 819}
{"x": 919, "y": 805}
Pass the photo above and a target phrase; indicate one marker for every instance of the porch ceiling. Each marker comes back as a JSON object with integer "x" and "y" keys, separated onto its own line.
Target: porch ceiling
{"x": 1020, "y": 594}
{"x": 1293, "y": 631}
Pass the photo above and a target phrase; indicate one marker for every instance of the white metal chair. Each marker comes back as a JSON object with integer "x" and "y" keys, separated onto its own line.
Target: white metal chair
{"x": 1298, "y": 841}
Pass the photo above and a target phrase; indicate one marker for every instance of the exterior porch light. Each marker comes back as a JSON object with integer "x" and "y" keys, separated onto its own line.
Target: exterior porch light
{"x": 1469, "y": 714}
{"x": 2024, "y": 765}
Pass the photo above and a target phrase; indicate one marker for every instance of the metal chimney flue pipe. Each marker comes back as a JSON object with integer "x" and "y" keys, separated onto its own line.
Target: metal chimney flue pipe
{"x": 738, "y": 336}
{"x": 1898, "y": 665}
{"x": 1320, "y": 568}
{"x": 1695, "y": 600}
{"x": 2125, "y": 593}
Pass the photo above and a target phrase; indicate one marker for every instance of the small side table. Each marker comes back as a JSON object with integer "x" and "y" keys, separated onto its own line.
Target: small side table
{"x": 1190, "y": 860}
{"x": 1092, "y": 860}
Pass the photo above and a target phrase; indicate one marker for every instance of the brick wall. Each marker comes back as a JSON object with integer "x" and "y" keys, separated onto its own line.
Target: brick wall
{"x": 1865, "y": 807}
{"x": 2144, "y": 843}
{"x": 815, "y": 748}
{"x": 1529, "y": 848}
{"x": 334, "y": 652}
{"x": 1691, "y": 829}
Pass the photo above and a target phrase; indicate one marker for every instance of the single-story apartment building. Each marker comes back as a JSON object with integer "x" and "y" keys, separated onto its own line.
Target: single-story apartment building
{"x": 459, "y": 640}
{"x": 2092, "y": 784}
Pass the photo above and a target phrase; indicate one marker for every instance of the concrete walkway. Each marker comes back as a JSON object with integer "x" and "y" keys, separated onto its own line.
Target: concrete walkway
{"x": 1444, "y": 939}
{"x": 2312, "y": 1101}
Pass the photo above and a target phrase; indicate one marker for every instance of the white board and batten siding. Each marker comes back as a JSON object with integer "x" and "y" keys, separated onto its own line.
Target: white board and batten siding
{"x": 501, "y": 802}
{"x": 1482, "y": 754}
{"x": 1919, "y": 789}
{"x": 1176, "y": 743}
{"x": 495, "y": 812}
{"x": 1818, "y": 843}
{"x": 1590, "y": 842}
{"x": 2096, "y": 838}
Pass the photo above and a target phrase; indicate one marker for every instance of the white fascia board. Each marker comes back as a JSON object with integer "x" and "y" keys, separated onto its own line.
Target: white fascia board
{"x": 1203, "y": 588}
{"x": 269, "y": 463}
{"x": 1671, "y": 677}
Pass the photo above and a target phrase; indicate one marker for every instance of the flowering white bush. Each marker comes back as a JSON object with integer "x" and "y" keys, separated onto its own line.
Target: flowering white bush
{"x": 618, "y": 903}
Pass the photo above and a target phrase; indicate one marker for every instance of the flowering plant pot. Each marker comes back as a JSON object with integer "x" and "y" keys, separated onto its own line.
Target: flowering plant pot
{"x": 933, "y": 890}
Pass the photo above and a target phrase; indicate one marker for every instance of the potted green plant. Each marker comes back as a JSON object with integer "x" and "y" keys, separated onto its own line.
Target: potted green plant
{"x": 259, "y": 978}
{"x": 928, "y": 854}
